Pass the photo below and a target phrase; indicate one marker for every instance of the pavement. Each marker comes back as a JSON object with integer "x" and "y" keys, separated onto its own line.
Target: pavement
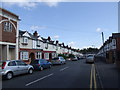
{"x": 108, "y": 75}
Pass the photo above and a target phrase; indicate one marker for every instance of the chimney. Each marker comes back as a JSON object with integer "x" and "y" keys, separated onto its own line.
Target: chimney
{"x": 49, "y": 38}
{"x": 57, "y": 41}
{"x": 35, "y": 34}
{"x": 63, "y": 44}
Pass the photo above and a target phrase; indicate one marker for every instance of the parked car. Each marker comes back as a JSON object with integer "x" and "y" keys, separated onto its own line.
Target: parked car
{"x": 58, "y": 60}
{"x": 11, "y": 68}
{"x": 40, "y": 64}
{"x": 90, "y": 59}
{"x": 74, "y": 58}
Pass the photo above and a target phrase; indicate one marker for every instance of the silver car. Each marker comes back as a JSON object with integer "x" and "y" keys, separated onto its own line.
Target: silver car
{"x": 90, "y": 59}
{"x": 10, "y": 68}
{"x": 58, "y": 60}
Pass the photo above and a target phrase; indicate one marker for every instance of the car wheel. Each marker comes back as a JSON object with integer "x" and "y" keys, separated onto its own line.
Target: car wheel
{"x": 9, "y": 75}
{"x": 41, "y": 68}
{"x": 30, "y": 71}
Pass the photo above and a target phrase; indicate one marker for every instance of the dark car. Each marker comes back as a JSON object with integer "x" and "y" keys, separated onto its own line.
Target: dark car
{"x": 40, "y": 64}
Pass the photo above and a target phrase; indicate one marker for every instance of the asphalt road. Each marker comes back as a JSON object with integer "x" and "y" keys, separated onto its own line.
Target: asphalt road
{"x": 73, "y": 74}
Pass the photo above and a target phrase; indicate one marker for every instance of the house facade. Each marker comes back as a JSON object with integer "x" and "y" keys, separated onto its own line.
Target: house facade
{"x": 33, "y": 46}
{"x": 16, "y": 44}
{"x": 111, "y": 49}
{"x": 30, "y": 46}
{"x": 8, "y": 35}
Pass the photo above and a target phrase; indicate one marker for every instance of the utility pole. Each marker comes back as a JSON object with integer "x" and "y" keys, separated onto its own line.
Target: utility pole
{"x": 103, "y": 37}
{"x": 103, "y": 44}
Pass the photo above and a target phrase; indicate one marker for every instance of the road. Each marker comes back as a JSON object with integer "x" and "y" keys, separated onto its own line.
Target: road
{"x": 73, "y": 74}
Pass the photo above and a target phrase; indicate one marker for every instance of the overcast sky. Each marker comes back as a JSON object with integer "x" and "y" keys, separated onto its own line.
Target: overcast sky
{"x": 77, "y": 24}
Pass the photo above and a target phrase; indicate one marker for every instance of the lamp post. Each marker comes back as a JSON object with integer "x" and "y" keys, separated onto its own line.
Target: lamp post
{"x": 103, "y": 43}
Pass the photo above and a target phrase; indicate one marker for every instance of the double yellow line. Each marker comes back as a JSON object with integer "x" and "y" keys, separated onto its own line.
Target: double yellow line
{"x": 93, "y": 78}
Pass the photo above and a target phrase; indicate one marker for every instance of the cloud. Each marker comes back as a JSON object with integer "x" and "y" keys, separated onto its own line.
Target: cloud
{"x": 59, "y": 0}
{"x": 72, "y": 44}
{"x": 25, "y": 5}
{"x": 56, "y": 37}
{"x": 36, "y": 28}
{"x": 28, "y": 4}
{"x": 98, "y": 30}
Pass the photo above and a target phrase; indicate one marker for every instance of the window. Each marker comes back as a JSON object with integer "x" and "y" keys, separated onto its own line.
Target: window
{"x": 38, "y": 42}
{"x": 38, "y": 55}
{"x": 8, "y": 26}
{"x": 53, "y": 55}
{"x": 25, "y": 40}
{"x": 46, "y": 45}
{"x": 46, "y": 55}
{"x": 43, "y": 61}
{"x": 34, "y": 43}
{"x": 20, "y": 63}
{"x": 24, "y": 55}
{"x": 12, "y": 63}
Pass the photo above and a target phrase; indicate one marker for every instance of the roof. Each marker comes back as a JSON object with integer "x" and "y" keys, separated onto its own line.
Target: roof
{"x": 4, "y": 10}
{"x": 31, "y": 36}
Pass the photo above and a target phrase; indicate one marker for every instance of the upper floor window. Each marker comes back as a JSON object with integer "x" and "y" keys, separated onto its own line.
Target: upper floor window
{"x": 8, "y": 26}
{"x": 46, "y": 45}
{"x": 25, "y": 40}
{"x": 38, "y": 43}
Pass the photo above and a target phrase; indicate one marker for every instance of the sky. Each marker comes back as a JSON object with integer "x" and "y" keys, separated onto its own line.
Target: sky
{"x": 77, "y": 24}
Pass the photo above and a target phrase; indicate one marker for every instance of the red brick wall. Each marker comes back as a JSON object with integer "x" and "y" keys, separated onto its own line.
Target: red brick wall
{"x": 118, "y": 44}
{"x": 30, "y": 51}
{"x": 8, "y": 36}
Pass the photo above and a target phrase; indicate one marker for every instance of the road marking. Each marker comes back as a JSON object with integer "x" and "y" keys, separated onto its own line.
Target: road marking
{"x": 93, "y": 77}
{"x": 39, "y": 79}
{"x": 95, "y": 85}
{"x": 63, "y": 68}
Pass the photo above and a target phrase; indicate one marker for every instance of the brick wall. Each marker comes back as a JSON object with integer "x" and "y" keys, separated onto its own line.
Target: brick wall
{"x": 8, "y": 36}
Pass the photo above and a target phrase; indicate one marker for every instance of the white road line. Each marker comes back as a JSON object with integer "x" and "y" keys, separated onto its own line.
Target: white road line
{"x": 63, "y": 68}
{"x": 39, "y": 79}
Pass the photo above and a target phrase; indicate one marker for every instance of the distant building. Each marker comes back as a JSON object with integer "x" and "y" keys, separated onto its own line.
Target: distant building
{"x": 8, "y": 35}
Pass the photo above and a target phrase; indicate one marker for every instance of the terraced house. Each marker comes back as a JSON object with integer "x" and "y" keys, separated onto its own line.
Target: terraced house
{"x": 17, "y": 44}
{"x": 111, "y": 49}
{"x": 8, "y": 35}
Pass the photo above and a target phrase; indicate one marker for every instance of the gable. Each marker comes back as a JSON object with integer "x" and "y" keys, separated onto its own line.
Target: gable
{"x": 40, "y": 38}
{"x": 26, "y": 34}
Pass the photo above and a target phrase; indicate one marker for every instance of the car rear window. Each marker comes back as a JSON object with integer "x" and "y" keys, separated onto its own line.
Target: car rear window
{"x": 90, "y": 56}
{"x": 35, "y": 62}
{"x": 55, "y": 58}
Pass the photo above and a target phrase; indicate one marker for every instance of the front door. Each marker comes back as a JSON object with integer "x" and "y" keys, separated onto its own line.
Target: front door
{"x": 32, "y": 57}
{"x": 50, "y": 56}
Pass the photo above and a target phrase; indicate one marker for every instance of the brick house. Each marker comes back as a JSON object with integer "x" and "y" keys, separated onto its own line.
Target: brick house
{"x": 111, "y": 49}
{"x": 49, "y": 50}
{"x": 33, "y": 46}
{"x": 116, "y": 37}
{"x": 8, "y": 35}
{"x": 30, "y": 46}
